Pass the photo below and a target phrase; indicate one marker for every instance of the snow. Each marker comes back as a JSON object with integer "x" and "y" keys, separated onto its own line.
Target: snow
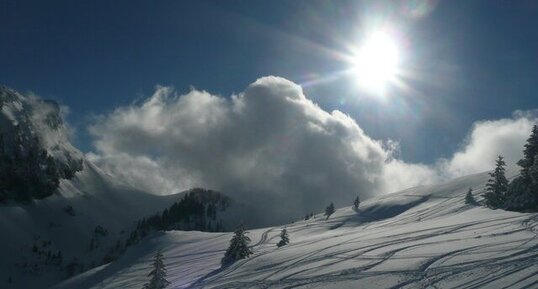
{"x": 97, "y": 199}
{"x": 424, "y": 237}
{"x": 66, "y": 222}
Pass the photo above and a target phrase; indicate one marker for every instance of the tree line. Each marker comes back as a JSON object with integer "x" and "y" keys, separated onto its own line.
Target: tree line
{"x": 521, "y": 194}
{"x": 196, "y": 210}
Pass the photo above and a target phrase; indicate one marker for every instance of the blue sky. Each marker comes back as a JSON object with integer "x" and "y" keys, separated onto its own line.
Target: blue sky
{"x": 470, "y": 60}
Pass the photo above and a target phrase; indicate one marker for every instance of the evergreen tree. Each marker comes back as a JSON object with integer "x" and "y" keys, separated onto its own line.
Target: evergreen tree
{"x": 308, "y": 216}
{"x": 469, "y": 199}
{"x": 92, "y": 244}
{"x": 523, "y": 191}
{"x": 238, "y": 248}
{"x": 329, "y": 210}
{"x": 72, "y": 267}
{"x": 533, "y": 172}
{"x": 158, "y": 274}
{"x": 497, "y": 186}
{"x": 529, "y": 153}
{"x": 59, "y": 258}
{"x": 284, "y": 238}
{"x": 356, "y": 203}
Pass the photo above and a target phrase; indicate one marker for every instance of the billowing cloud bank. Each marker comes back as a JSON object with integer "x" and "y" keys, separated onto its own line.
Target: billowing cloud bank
{"x": 273, "y": 147}
{"x": 487, "y": 140}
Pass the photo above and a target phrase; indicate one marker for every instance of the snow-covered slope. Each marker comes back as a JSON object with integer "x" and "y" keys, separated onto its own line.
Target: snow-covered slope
{"x": 424, "y": 237}
{"x": 66, "y": 222}
{"x": 58, "y": 212}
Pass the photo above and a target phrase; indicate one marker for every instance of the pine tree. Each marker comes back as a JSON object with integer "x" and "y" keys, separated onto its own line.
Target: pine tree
{"x": 92, "y": 244}
{"x": 158, "y": 274}
{"x": 529, "y": 194}
{"x": 497, "y": 186}
{"x": 329, "y": 210}
{"x": 238, "y": 248}
{"x": 284, "y": 238}
{"x": 523, "y": 191}
{"x": 469, "y": 199}
{"x": 529, "y": 153}
{"x": 533, "y": 172}
{"x": 356, "y": 203}
{"x": 59, "y": 258}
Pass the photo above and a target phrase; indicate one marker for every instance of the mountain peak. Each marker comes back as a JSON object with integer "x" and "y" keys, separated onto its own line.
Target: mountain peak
{"x": 35, "y": 151}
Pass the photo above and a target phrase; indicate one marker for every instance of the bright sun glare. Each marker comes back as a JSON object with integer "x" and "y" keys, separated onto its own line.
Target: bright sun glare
{"x": 376, "y": 62}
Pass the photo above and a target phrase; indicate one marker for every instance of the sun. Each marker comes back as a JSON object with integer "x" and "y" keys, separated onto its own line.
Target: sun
{"x": 376, "y": 62}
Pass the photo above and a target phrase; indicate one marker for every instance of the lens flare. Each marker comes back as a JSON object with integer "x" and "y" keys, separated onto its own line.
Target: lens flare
{"x": 376, "y": 62}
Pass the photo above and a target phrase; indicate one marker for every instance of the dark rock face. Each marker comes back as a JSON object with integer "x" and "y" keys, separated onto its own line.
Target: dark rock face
{"x": 35, "y": 152}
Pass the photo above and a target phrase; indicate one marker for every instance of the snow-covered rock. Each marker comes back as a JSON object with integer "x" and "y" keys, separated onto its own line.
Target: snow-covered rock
{"x": 35, "y": 152}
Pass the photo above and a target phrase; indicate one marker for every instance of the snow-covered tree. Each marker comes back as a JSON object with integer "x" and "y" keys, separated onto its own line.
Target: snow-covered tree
{"x": 158, "y": 274}
{"x": 356, "y": 203}
{"x": 329, "y": 210}
{"x": 238, "y": 248}
{"x": 284, "y": 238}
{"x": 469, "y": 199}
{"x": 497, "y": 186}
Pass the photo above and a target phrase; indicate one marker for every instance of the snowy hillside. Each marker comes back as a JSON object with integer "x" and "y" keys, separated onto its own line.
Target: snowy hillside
{"x": 425, "y": 237}
{"x": 60, "y": 214}
{"x": 89, "y": 206}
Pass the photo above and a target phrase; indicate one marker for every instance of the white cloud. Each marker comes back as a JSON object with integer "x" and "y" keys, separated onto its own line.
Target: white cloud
{"x": 399, "y": 175}
{"x": 273, "y": 148}
{"x": 258, "y": 146}
{"x": 487, "y": 140}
